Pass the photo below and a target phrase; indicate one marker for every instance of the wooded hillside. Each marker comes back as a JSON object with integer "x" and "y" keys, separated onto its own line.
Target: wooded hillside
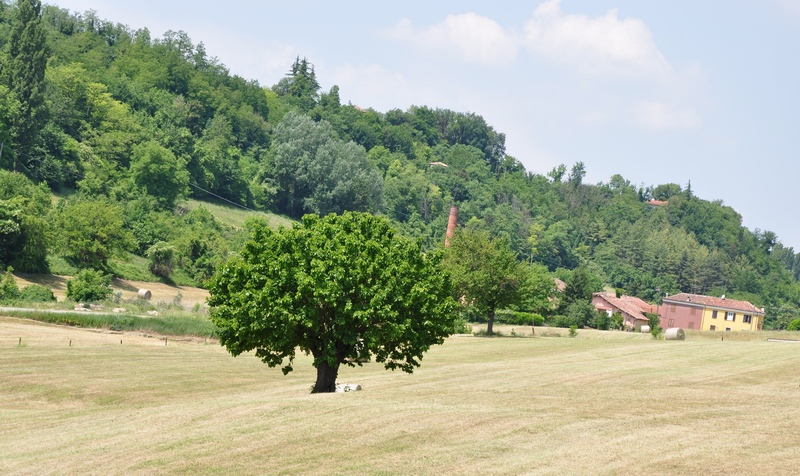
{"x": 126, "y": 125}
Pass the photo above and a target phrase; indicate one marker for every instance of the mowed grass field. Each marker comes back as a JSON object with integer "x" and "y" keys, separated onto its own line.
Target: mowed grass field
{"x": 600, "y": 403}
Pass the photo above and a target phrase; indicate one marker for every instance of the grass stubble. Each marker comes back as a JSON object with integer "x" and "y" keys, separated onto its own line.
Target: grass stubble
{"x": 601, "y": 403}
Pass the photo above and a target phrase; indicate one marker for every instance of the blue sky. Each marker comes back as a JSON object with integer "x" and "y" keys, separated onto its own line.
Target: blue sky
{"x": 656, "y": 91}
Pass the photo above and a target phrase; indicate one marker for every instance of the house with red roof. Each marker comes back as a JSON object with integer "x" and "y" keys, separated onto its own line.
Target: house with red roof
{"x": 709, "y": 313}
{"x": 632, "y": 309}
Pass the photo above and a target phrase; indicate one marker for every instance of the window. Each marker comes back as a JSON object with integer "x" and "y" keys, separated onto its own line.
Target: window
{"x": 714, "y": 314}
{"x": 691, "y": 325}
{"x": 730, "y": 316}
{"x": 692, "y": 311}
{"x": 713, "y": 328}
{"x": 747, "y": 318}
{"x": 672, "y": 307}
{"x": 671, "y": 322}
{"x": 727, "y": 329}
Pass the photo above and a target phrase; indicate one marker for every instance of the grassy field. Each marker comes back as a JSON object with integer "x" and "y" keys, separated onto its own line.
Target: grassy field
{"x": 600, "y": 403}
{"x": 235, "y": 216}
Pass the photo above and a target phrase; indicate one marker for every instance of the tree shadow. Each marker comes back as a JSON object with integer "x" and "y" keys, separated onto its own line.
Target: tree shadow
{"x": 120, "y": 284}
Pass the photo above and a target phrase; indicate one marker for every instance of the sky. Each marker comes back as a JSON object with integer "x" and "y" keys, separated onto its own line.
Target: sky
{"x": 659, "y": 92}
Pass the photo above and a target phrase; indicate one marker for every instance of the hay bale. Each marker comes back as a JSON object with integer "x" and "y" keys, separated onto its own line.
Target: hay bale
{"x": 645, "y": 329}
{"x": 675, "y": 333}
{"x": 145, "y": 294}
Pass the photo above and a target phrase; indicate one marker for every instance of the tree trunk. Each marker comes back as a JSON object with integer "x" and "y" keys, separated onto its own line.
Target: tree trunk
{"x": 489, "y": 327}
{"x": 326, "y": 378}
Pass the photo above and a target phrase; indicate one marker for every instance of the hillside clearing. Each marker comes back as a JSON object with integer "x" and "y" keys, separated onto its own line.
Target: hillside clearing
{"x": 189, "y": 296}
{"x": 235, "y": 216}
{"x": 476, "y": 406}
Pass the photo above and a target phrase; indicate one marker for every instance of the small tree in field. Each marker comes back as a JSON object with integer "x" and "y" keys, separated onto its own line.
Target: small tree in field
{"x": 485, "y": 272}
{"x": 342, "y": 288}
{"x": 654, "y": 321}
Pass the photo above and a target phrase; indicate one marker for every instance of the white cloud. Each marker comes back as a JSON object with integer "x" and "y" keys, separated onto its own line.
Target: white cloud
{"x": 660, "y": 116}
{"x": 599, "y": 45}
{"x": 469, "y": 36}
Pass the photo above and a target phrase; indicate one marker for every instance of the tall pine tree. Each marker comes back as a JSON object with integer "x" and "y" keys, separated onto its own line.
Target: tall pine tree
{"x": 300, "y": 85}
{"x": 23, "y": 71}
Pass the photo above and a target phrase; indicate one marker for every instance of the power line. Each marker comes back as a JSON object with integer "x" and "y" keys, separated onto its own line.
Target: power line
{"x": 221, "y": 198}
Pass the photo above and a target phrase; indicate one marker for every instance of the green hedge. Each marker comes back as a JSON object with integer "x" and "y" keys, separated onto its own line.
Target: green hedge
{"x": 506, "y": 316}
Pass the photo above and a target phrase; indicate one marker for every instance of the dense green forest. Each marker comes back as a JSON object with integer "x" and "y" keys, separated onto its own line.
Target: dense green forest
{"x": 122, "y": 127}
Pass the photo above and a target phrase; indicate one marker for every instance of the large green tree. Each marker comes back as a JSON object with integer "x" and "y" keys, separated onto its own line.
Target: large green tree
{"x": 342, "y": 288}
{"x": 485, "y": 271}
{"x": 9, "y": 111}
{"x": 313, "y": 172}
{"x": 581, "y": 285}
{"x": 23, "y": 223}
{"x": 23, "y": 70}
{"x": 155, "y": 169}
{"x": 89, "y": 232}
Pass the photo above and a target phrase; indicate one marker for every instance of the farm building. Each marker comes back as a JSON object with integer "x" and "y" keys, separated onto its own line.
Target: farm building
{"x": 631, "y": 308}
{"x": 709, "y": 313}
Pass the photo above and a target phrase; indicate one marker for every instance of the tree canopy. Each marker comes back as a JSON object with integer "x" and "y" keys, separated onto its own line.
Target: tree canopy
{"x": 342, "y": 288}
{"x": 314, "y": 172}
{"x": 485, "y": 271}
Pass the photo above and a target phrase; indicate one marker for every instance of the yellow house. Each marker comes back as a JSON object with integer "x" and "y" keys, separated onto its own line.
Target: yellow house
{"x": 714, "y": 313}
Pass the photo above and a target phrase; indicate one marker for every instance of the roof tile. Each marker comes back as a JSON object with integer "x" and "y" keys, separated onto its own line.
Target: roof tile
{"x": 712, "y": 301}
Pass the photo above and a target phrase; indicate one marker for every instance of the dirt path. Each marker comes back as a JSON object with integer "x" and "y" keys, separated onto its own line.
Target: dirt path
{"x": 129, "y": 289}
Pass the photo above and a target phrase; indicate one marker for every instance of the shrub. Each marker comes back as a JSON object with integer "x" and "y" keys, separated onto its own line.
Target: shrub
{"x": 573, "y": 331}
{"x": 794, "y": 325}
{"x": 89, "y": 286}
{"x": 581, "y": 313}
{"x": 8, "y": 288}
{"x": 460, "y": 326}
{"x": 538, "y": 319}
{"x": 616, "y": 322}
{"x": 601, "y": 321}
{"x": 506, "y": 316}
{"x": 656, "y": 331}
{"x": 162, "y": 259}
{"x": 655, "y": 325}
{"x": 653, "y": 319}
{"x": 562, "y": 321}
{"x": 36, "y": 293}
